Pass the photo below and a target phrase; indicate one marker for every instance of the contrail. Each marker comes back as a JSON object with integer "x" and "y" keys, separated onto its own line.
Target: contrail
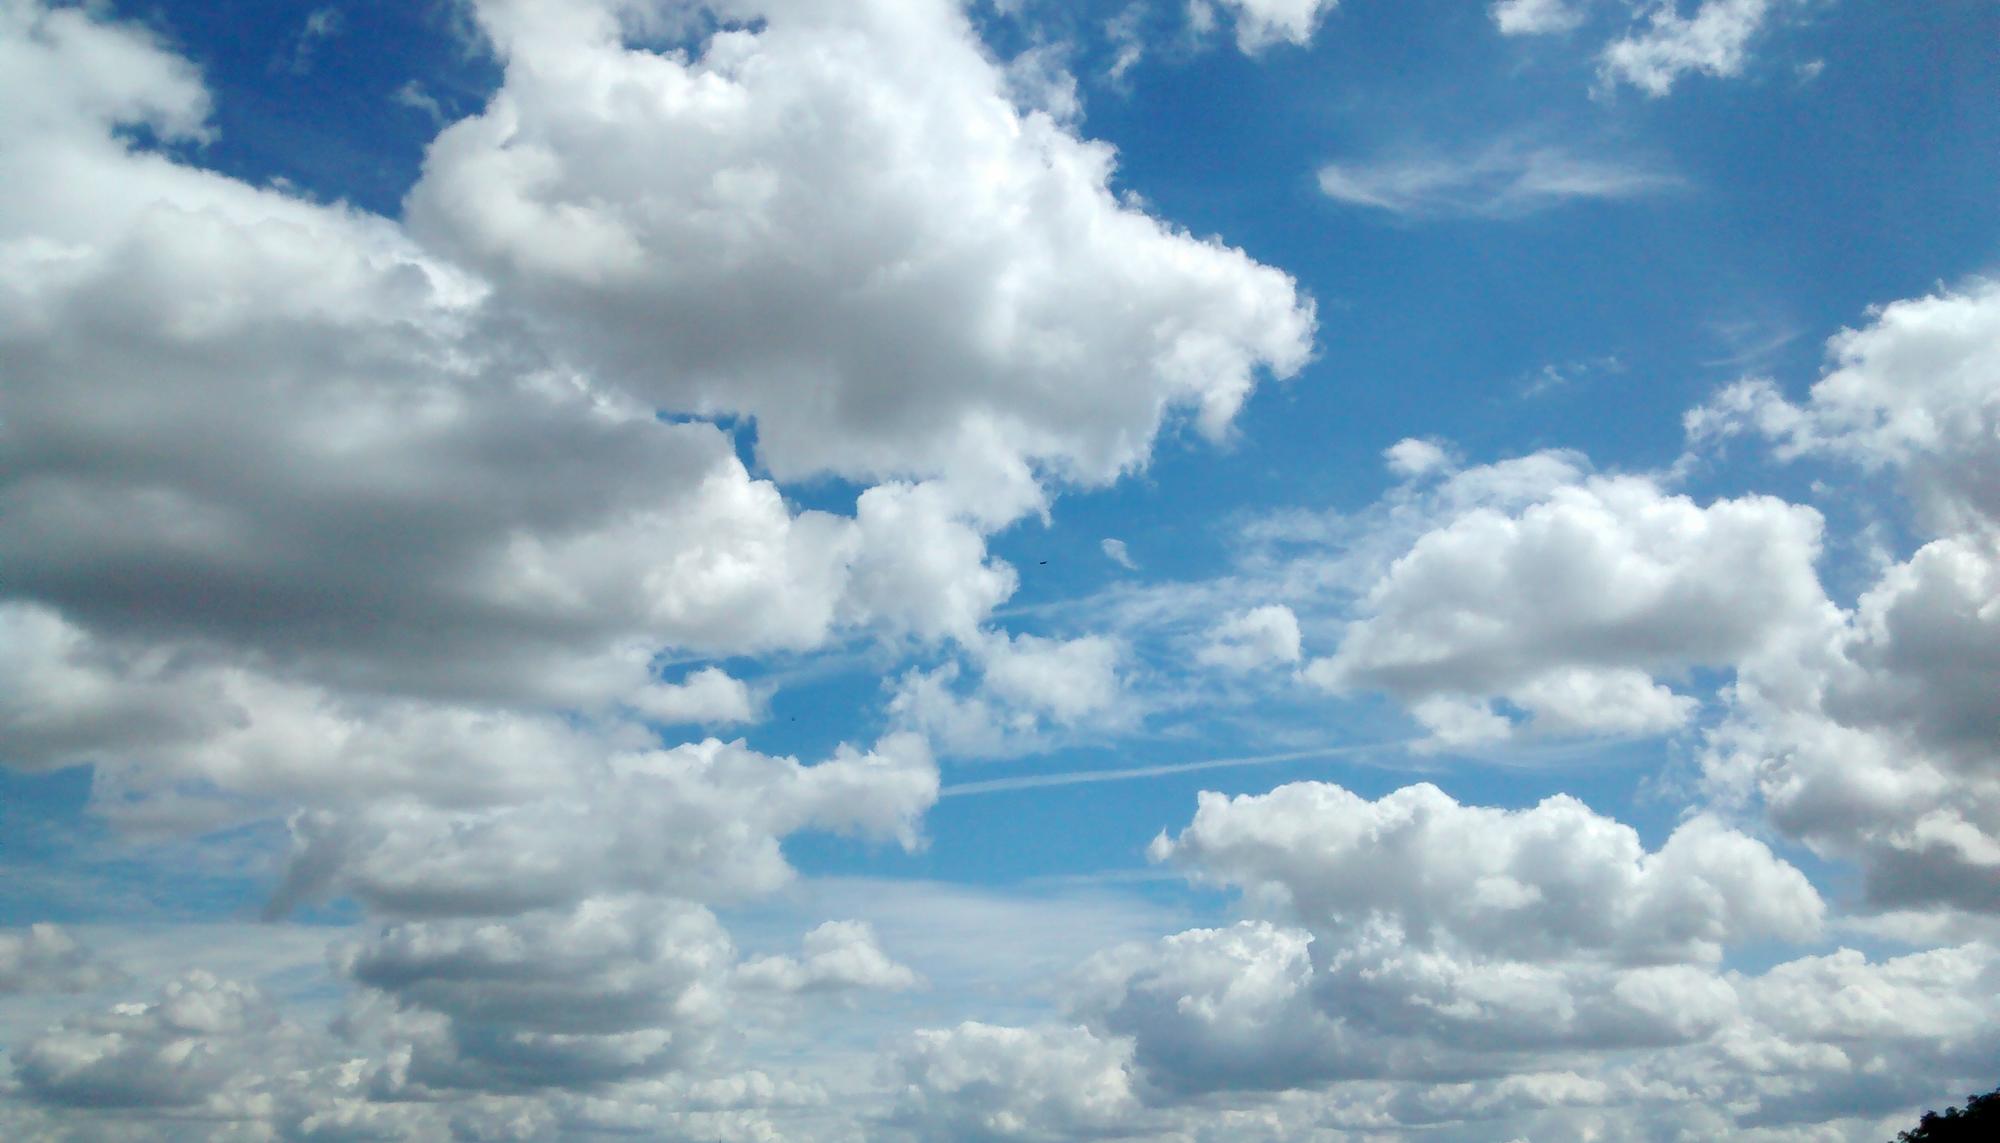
{"x": 1082, "y": 777}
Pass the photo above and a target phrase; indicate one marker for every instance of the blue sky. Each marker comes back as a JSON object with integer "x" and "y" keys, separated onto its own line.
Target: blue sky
{"x": 1217, "y": 570}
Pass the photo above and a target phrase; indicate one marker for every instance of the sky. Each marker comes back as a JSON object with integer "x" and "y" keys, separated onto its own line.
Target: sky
{"x": 1180, "y": 570}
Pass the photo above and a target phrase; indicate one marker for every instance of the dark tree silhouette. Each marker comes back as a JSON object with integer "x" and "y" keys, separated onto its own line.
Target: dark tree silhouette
{"x": 1979, "y": 1122}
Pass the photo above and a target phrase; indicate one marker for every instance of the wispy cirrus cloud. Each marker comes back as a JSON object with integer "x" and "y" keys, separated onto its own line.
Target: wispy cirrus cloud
{"x": 1506, "y": 179}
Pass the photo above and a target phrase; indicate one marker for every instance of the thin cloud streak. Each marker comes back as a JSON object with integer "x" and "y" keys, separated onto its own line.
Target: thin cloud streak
{"x": 1133, "y": 773}
{"x": 1505, "y": 180}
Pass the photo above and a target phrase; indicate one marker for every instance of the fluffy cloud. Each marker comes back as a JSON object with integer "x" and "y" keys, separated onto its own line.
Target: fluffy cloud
{"x": 1912, "y": 391}
{"x": 982, "y": 1082}
{"x": 1263, "y": 23}
{"x": 840, "y": 225}
{"x": 1030, "y": 687}
{"x": 1530, "y": 884}
{"x": 607, "y": 989}
{"x": 46, "y": 959}
{"x": 837, "y": 955}
{"x": 1714, "y": 40}
{"x": 1430, "y": 965}
{"x": 257, "y": 444}
{"x": 1254, "y": 638}
{"x": 702, "y": 820}
{"x": 1879, "y": 742}
{"x": 203, "y": 1041}
{"x": 1571, "y": 605}
{"x": 1420, "y": 935}
{"x": 1874, "y": 737}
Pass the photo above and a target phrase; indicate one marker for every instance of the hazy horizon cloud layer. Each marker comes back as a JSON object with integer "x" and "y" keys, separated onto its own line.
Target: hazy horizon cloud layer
{"x": 994, "y": 570}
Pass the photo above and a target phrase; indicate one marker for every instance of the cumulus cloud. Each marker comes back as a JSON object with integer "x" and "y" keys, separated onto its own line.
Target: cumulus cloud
{"x": 1259, "y": 637}
{"x": 203, "y": 1041}
{"x": 701, "y": 820}
{"x": 1029, "y": 688}
{"x": 1911, "y": 392}
{"x": 1529, "y": 884}
{"x": 1713, "y": 40}
{"x": 1414, "y": 962}
{"x": 708, "y": 696}
{"x": 1874, "y": 738}
{"x": 851, "y": 183}
{"x": 983, "y": 1082}
{"x": 1572, "y": 606}
{"x": 1411, "y": 457}
{"x": 836, "y": 955}
{"x": 297, "y": 462}
{"x": 607, "y": 989}
{"x": 45, "y": 959}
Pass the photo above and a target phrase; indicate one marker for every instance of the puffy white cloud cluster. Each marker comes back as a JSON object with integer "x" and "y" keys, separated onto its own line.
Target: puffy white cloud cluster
{"x": 1536, "y": 883}
{"x": 1575, "y": 599}
{"x": 840, "y": 225}
{"x": 1876, "y": 738}
{"x": 256, "y": 442}
{"x": 1663, "y": 44}
{"x": 983, "y": 1082}
{"x": 1030, "y": 689}
{"x": 837, "y": 954}
{"x": 574, "y": 997}
{"x": 1421, "y": 965}
{"x": 702, "y": 820}
{"x": 1912, "y": 392}
{"x": 1259, "y": 637}
{"x": 204, "y": 1043}
{"x": 1416, "y": 935}
{"x": 390, "y": 524}
{"x": 1714, "y": 40}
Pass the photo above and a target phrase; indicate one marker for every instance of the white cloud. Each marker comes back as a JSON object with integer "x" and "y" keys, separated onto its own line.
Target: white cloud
{"x": 1872, "y": 737}
{"x": 708, "y": 696}
{"x": 702, "y": 820}
{"x": 1115, "y": 551}
{"x": 982, "y": 1082}
{"x": 1508, "y": 179}
{"x": 606, "y": 989}
{"x": 825, "y": 224}
{"x": 1529, "y": 884}
{"x": 204, "y": 1041}
{"x": 1410, "y": 457}
{"x": 1537, "y": 17}
{"x": 268, "y": 455}
{"x": 1714, "y": 40}
{"x": 1911, "y": 391}
{"x": 1261, "y": 24}
{"x": 1029, "y": 689}
{"x": 46, "y": 959}
{"x": 837, "y": 955}
{"x": 1259, "y": 637}
{"x": 1571, "y": 606}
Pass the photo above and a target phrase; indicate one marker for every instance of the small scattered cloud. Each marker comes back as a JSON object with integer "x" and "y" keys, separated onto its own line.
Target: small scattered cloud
{"x": 1556, "y": 376}
{"x": 1537, "y": 17}
{"x": 413, "y": 96}
{"x": 1115, "y": 551}
{"x": 1713, "y": 41}
{"x": 322, "y": 24}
